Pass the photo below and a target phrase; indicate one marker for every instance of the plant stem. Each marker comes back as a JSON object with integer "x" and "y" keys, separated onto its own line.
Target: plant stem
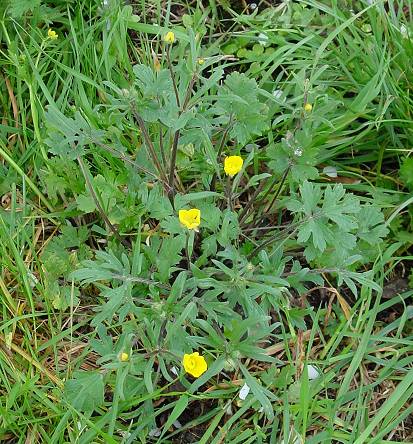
{"x": 283, "y": 179}
{"x": 277, "y": 193}
{"x": 250, "y": 202}
{"x": 221, "y": 146}
{"x": 168, "y": 59}
{"x": 189, "y": 91}
{"x": 268, "y": 242}
{"x": 229, "y": 193}
{"x": 149, "y": 143}
{"x": 177, "y": 133}
{"x": 126, "y": 159}
{"x": 173, "y": 162}
{"x": 188, "y": 258}
{"x": 98, "y": 205}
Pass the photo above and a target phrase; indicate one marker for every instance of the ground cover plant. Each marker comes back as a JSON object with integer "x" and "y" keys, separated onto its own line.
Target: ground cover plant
{"x": 206, "y": 222}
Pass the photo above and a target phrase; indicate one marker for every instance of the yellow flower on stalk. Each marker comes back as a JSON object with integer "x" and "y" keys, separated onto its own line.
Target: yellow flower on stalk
{"x": 124, "y": 357}
{"x": 194, "y": 364}
{"x": 52, "y": 35}
{"x": 191, "y": 219}
{"x": 308, "y": 107}
{"x": 169, "y": 37}
{"x": 233, "y": 165}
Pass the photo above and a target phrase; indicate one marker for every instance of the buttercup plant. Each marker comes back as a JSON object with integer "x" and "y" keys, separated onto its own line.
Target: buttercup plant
{"x": 180, "y": 248}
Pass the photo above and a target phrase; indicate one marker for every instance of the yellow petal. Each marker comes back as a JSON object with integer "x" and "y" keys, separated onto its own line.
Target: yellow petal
{"x": 308, "y": 107}
{"x": 169, "y": 37}
{"x": 191, "y": 219}
{"x": 52, "y": 34}
{"x": 233, "y": 165}
{"x": 194, "y": 364}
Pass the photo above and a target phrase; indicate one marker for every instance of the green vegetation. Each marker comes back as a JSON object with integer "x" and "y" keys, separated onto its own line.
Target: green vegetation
{"x": 295, "y": 286}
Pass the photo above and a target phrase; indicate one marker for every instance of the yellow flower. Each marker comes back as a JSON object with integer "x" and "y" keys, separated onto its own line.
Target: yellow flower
{"x": 124, "y": 357}
{"x": 194, "y": 364}
{"x": 308, "y": 107}
{"x": 190, "y": 218}
{"x": 169, "y": 37}
{"x": 52, "y": 34}
{"x": 233, "y": 165}
{"x": 201, "y": 61}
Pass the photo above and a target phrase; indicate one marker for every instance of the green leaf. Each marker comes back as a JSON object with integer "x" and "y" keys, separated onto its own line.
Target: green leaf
{"x": 20, "y": 7}
{"x": 85, "y": 203}
{"x": 179, "y": 408}
{"x": 406, "y": 172}
{"x": 85, "y": 392}
{"x": 67, "y": 136}
{"x": 240, "y": 95}
{"x": 259, "y": 392}
{"x": 371, "y": 226}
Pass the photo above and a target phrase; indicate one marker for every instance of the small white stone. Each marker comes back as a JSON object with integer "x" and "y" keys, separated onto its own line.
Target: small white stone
{"x": 262, "y": 39}
{"x": 155, "y": 432}
{"x": 177, "y": 424}
{"x": 278, "y": 93}
{"x": 33, "y": 281}
{"x": 174, "y": 370}
{"x": 313, "y": 372}
{"x": 243, "y": 393}
{"x": 253, "y": 6}
{"x": 330, "y": 171}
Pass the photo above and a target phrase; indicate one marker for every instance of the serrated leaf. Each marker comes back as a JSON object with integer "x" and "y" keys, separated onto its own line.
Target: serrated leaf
{"x": 68, "y": 136}
{"x": 20, "y": 7}
{"x": 85, "y": 203}
{"x": 240, "y": 95}
{"x": 85, "y": 392}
